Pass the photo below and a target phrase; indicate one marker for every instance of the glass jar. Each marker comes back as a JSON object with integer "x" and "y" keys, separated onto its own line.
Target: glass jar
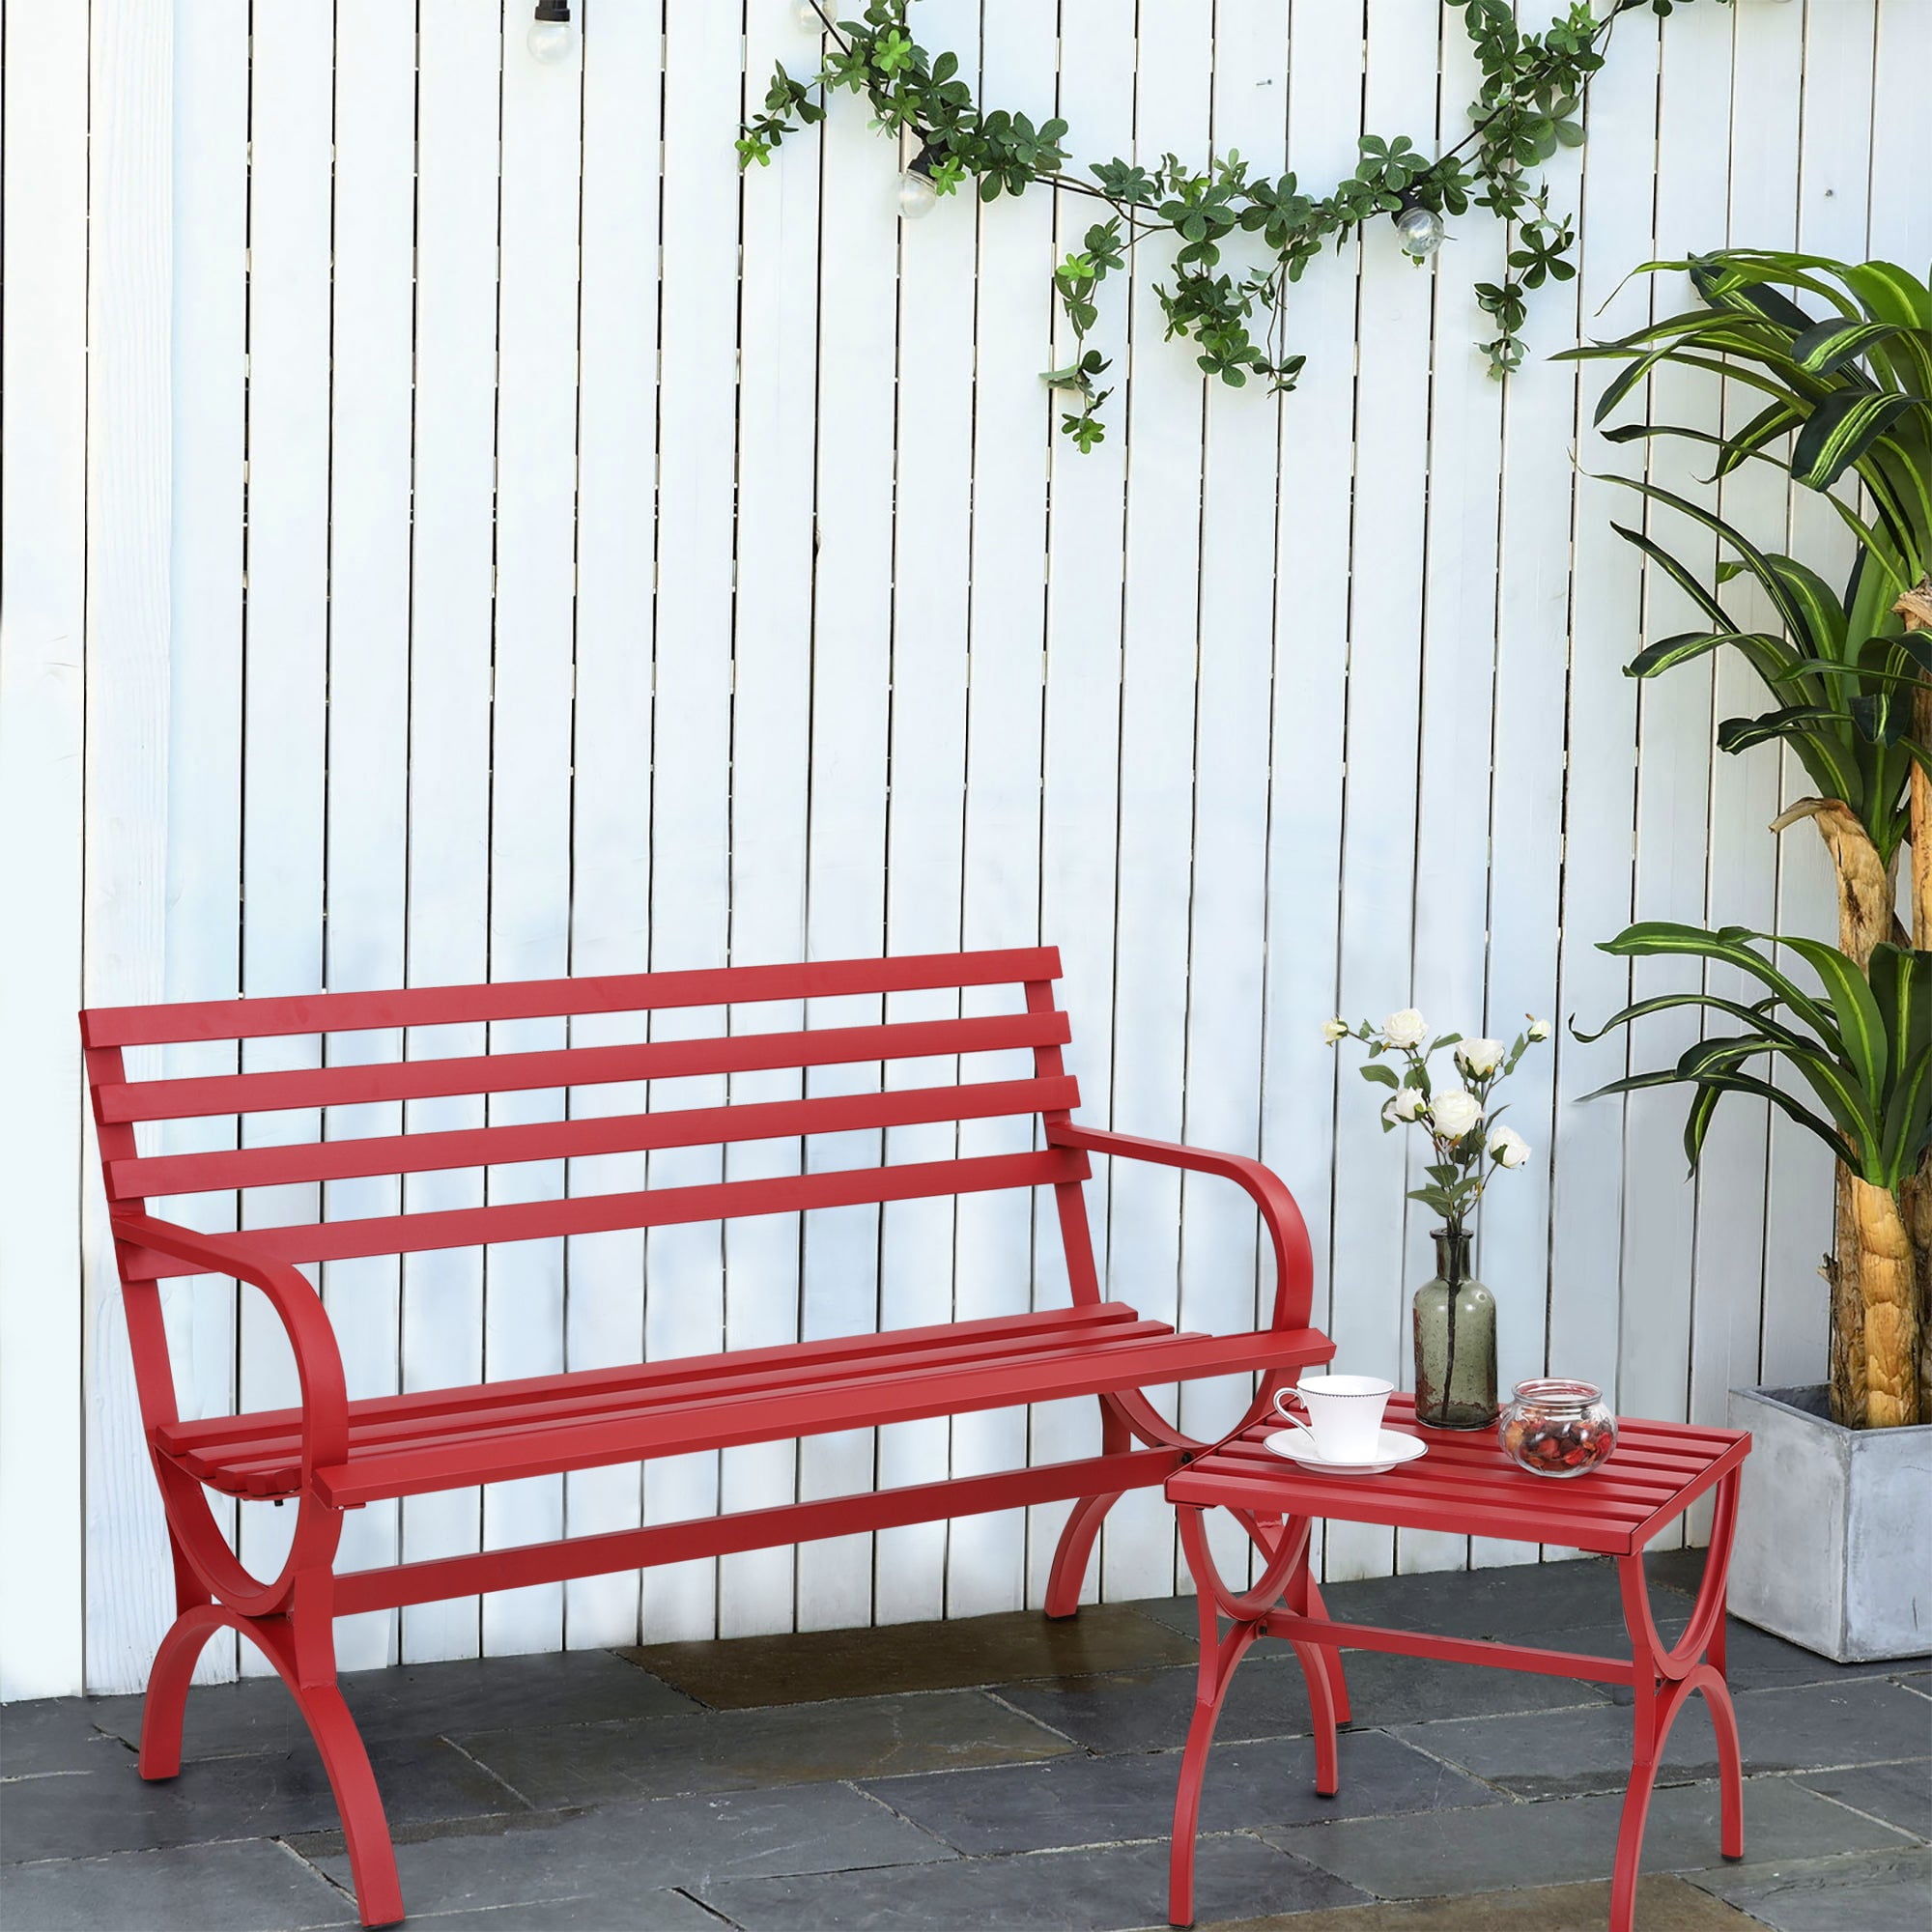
{"x": 1455, "y": 1343}
{"x": 1558, "y": 1428}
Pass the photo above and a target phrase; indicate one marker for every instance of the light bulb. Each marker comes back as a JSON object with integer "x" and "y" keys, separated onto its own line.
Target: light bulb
{"x": 551, "y": 40}
{"x": 917, "y": 194}
{"x": 810, "y": 19}
{"x": 1420, "y": 229}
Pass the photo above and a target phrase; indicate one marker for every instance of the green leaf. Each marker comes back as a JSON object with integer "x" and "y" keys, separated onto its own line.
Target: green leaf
{"x": 1650, "y": 939}
{"x": 1860, "y": 1025}
{"x": 1383, "y": 1076}
{"x": 1839, "y": 431}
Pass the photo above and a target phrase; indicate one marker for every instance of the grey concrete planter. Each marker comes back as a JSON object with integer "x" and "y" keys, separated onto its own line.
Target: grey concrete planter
{"x": 1834, "y": 1529}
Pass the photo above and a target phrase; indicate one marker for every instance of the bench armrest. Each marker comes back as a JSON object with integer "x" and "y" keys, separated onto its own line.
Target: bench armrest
{"x": 1293, "y": 1258}
{"x": 324, "y": 1397}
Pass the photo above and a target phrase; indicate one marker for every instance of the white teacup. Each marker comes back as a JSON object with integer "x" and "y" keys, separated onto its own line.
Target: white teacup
{"x": 1344, "y": 1415}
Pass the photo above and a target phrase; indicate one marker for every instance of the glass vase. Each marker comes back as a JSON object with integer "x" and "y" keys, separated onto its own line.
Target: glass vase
{"x": 1455, "y": 1343}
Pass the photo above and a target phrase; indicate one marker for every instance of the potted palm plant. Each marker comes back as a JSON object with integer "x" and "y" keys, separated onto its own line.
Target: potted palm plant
{"x": 1848, "y": 388}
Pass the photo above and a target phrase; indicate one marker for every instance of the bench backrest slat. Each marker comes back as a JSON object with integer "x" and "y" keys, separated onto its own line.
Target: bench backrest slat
{"x": 567, "y": 1067}
{"x": 549, "y": 998}
{"x": 570, "y": 1066}
{"x": 652, "y": 1207}
{"x": 557, "y": 1140}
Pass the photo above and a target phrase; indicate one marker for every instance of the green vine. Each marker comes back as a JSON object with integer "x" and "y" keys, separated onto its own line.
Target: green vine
{"x": 1236, "y": 315}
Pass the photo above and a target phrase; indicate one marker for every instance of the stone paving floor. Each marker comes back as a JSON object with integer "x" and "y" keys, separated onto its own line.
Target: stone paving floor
{"x": 997, "y": 1772}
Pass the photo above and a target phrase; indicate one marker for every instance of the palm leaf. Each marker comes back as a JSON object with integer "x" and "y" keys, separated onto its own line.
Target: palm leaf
{"x": 1657, "y": 938}
{"x": 1840, "y": 430}
{"x": 1862, "y": 1031}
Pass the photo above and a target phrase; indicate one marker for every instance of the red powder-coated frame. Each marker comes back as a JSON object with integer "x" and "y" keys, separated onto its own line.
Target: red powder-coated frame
{"x": 331, "y": 1454}
{"x": 1466, "y": 1485}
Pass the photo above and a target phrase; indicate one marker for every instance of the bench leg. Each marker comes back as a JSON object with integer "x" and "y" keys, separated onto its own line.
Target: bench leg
{"x": 1075, "y": 1546}
{"x": 365, "y": 1831}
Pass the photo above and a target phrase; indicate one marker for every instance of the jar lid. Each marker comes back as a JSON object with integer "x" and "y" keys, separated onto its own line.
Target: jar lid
{"x": 1551, "y": 1393}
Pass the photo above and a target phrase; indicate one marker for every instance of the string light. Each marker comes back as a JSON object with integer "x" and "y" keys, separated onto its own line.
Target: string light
{"x": 1420, "y": 228}
{"x": 810, "y": 19}
{"x": 918, "y": 198}
{"x": 552, "y": 39}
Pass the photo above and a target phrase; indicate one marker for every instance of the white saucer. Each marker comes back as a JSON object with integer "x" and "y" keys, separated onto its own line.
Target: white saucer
{"x": 1393, "y": 1448}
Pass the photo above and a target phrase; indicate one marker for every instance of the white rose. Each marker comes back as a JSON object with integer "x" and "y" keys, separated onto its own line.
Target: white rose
{"x": 1407, "y": 1028}
{"x": 1455, "y": 1113}
{"x": 1405, "y": 1105}
{"x": 1478, "y": 1057}
{"x": 1508, "y": 1147}
{"x": 1539, "y": 1028}
{"x": 1334, "y": 1030}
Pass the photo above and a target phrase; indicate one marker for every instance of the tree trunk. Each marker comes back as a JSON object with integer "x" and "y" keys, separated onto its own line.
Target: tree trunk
{"x": 1915, "y": 607}
{"x": 1865, "y": 916}
{"x": 1891, "y": 1307}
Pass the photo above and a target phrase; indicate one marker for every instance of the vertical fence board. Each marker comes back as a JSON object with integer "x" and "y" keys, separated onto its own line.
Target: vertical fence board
{"x": 525, "y": 1290}
{"x": 684, "y": 1291}
{"x": 610, "y": 785}
{"x": 925, "y": 807}
{"x": 460, "y": 51}
{"x": 43, "y": 172}
{"x": 1311, "y": 663}
{"x": 771, "y": 764}
{"x": 366, "y": 885}
{"x": 1159, "y": 411}
{"x": 1080, "y": 761}
{"x": 1372, "y": 1257}
{"x": 1235, "y": 646}
{"x": 1615, "y": 231}
{"x": 1006, "y": 689}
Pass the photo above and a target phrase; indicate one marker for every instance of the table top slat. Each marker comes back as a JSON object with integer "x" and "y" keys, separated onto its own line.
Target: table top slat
{"x": 1467, "y": 1484}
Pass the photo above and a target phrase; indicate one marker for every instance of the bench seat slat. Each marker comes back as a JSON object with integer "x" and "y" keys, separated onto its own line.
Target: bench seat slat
{"x": 646, "y": 1207}
{"x": 557, "y": 1140}
{"x": 270, "y": 1465}
{"x": 647, "y": 1378}
{"x": 546, "y": 999}
{"x": 896, "y": 1394}
{"x": 367, "y": 1082}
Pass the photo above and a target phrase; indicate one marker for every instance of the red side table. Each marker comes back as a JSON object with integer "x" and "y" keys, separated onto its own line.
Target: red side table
{"x": 1467, "y": 1485}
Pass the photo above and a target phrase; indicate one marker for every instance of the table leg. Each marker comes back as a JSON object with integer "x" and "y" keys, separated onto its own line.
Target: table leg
{"x": 1287, "y": 1552}
{"x": 1665, "y": 1680}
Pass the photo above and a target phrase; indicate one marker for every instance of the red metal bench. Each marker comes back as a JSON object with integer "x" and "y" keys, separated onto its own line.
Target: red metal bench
{"x": 332, "y": 1454}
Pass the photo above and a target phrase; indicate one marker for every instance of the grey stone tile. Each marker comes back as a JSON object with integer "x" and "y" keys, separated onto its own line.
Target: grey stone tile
{"x": 247, "y": 1886}
{"x": 810, "y": 1666}
{"x": 1123, "y": 1887}
{"x": 635, "y": 1912}
{"x": 618, "y": 1853}
{"x": 52, "y": 1734}
{"x": 1072, "y": 1802}
{"x": 1901, "y": 1793}
{"x": 1150, "y": 1710}
{"x": 1869, "y": 1891}
{"x": 1808, "y": 1726}
{"x": 1757, "y": 1660}
{"x": 743, "y": 1750}
{"x": 1520, "y": 1600}
{"x": 572, "y": 1687}
{"x": 1564, "y": 1839}
{"x": 1664, "y": 1903}
{"x": 89, "y": 1814}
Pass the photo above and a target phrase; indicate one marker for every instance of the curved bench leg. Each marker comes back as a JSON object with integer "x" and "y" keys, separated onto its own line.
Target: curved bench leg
{"x": 351, "y": 1781}
{"x": 164, "y": 1706}
{"x": 1075, "y": 1546}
